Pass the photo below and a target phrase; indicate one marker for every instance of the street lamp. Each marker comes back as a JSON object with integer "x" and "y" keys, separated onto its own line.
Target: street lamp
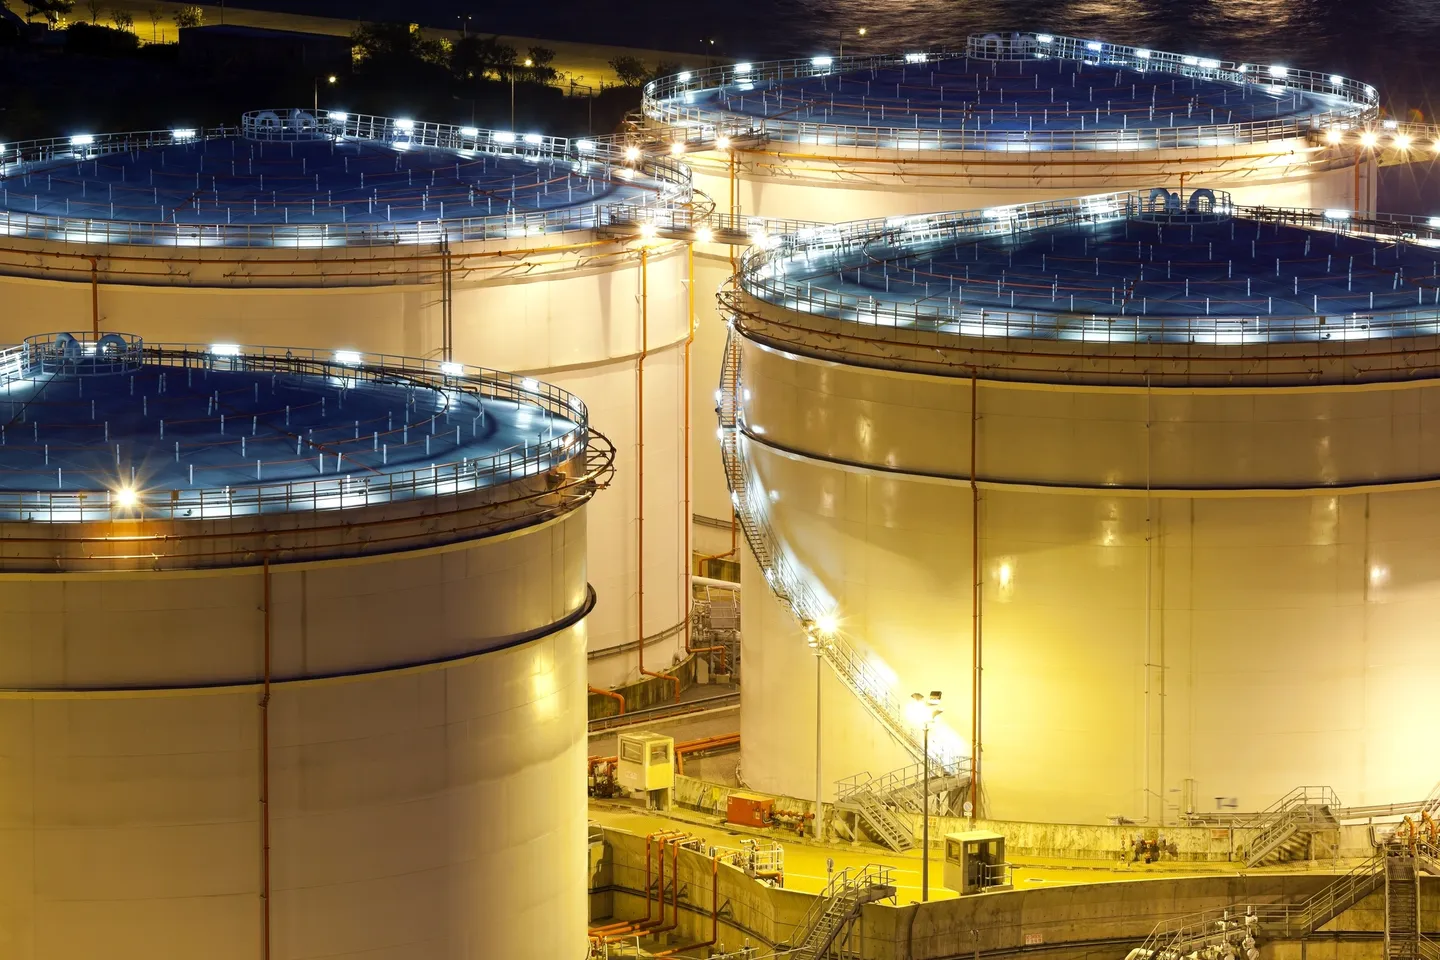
{"x": 528, "y": 63}
{"x": 923, "y": 712}
{"x": 819, "y": 635}
{"x": 859, "y": 33}
{"x": 464, "y": 19}
{"x": 328, "y": 79}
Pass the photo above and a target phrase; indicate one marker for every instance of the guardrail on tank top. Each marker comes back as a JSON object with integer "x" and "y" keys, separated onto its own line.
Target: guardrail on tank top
{"x": 762, "y": 275}
{"x": 672, "y": 100}
{"x": 793, "y": 586}
{"x": 87, "y": 498}
{"x": 665, "y": 181}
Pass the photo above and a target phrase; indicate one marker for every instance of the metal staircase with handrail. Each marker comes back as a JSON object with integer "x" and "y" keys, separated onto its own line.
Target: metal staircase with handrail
{"x": 837, "y": 907}
{"x": 1298, "y": 814}
{"x": 792, "y": 586}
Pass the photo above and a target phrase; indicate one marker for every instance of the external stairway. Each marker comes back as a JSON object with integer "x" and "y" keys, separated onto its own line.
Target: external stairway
{"x": 1286, "y": 827}
{"x": 877, "y": 799}
{"x": 838, "y": 906}
{"x": 792, "y": 586}
{"x": 1402, "y": 899}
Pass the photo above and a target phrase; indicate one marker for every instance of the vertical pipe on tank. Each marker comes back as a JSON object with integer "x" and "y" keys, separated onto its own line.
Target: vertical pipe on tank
{"x": 974, "y": 601}
{"x": 265, "y": 776}
{"x": 95, "y": 296}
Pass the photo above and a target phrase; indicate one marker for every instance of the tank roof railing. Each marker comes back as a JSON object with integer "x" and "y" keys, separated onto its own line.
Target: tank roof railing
{"x": 762, "y": 275}
{"x": 331, "y": 492}
{"x": 21, "y": 155}
{"x": 668, "y": 180}
{"x": 662, "y": 100}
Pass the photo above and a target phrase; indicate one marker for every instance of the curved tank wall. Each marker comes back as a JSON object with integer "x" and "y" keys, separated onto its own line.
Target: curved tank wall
{"x": 364, "y": 698}
{"x": 1185, "y": 590}
{"x": 567, "y": 302}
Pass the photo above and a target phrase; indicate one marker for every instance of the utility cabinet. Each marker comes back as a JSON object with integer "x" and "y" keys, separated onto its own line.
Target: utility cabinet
{"x": 646, "y": 762}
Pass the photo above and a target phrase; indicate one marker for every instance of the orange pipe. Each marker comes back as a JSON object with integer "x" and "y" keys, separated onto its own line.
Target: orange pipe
{"x": 610, "y": 693}
{"x": 706, "y": 743}
{"x": 647, "y": 923}
{"x": 714, "y": 914}
{"x": 674, "y": 844}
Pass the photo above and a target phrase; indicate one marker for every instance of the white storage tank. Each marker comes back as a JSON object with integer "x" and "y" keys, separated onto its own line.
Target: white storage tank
{"x": 1010, "y": 118}
{"x": 1144, "y": 483}
{"x": 393, "y": 235}
{"x": 295, "y": 655}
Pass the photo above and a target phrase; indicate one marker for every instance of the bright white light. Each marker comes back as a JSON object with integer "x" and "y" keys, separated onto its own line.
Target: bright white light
{"x": 648, "y": 231}
{"x": 705, "y": 235}
{"x": 469, "y": 132}
{"x": 677, "y": 148}
{"x": 533, "y": 139}
{"x": 1336, "y": 79}
{"x": 1434, "y": 222}
{"x": 1092, "y": 45}
{"x": 1210, "y": 64}
{"x": 585, "y": 146}
{"x": 225, "y": 349}
{"x": 1337, "y": 214}
{"x": 1244, "y": 68}
{"x": 1191, "y": 61}
{"x": 183, "y": 134}
{"x": 632, "y": 153}
{"x": 717, "y": 396}
{"x": 1368, "y": 138}
{"x": 126, "y": 498}
{"x": 339, "y": 116}
{"x": 821, "y": 61}
{"x": 1044, "y": 38}
{"x": 1143, "y": 54}
{"x": 684, "y": 76}
{"x": 1274, "y": 88}
{"x": 1391, "y": 124}
{"x": 1333, "y": 135}
{"x": 403, "y": 124}
{"x": 530, "y": 385}
{"x": 1278, "y": 71}
{"x": 915, "y": 58}
{"x": 722, "y": 143}
{"x": 827, "y": 625}
{"x": 735, "y": 499}
{"x": 1005, "y": 574}
{"x": 348, "y": 357}
{"x": 743, "y": 68}
{"x": 1402, "y": 140}
{"x": 719, "y": 433}
{"x": 82, "y": 140}
{"x": 504, "y": 136}
{"x": 451, "y": 369}
{"x": 1379, "y": 574}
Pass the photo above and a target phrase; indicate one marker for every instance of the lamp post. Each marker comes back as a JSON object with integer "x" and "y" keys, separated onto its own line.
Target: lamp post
{"x": 528, "y": 63}
{"x": 819, "y": 637}
{"x": 859, "y": 33}
{"x": 464, "y": 19}
{"x": 924, "y": 710}
{"x": 327, "y": 79}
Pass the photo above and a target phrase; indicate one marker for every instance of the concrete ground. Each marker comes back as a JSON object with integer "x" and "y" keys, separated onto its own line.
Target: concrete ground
{"x": 805, "y": 861}
{"x": 581, "y": 62}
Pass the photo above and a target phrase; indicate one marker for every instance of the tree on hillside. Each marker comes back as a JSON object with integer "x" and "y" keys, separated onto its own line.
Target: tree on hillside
{"x": 478, "y": 58}
{"x": 156, "y": 15}
{"x": 94, "y": 6}
{"x": 51, "y": 10}
{"x": 631, "y": 71}
{"x": 189, "y": 16}
{"x": 123, "y": 19}
{"x": 540, "y": 69}
{"x": 381, "y": 45}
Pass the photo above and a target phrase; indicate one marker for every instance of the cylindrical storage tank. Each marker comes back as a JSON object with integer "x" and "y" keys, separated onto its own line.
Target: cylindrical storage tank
{"x": 1167, "y": 541}
{"x": 397, "y": 236}
{"x": 1012, "y": 118}
{"x": 335, "y": 710}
